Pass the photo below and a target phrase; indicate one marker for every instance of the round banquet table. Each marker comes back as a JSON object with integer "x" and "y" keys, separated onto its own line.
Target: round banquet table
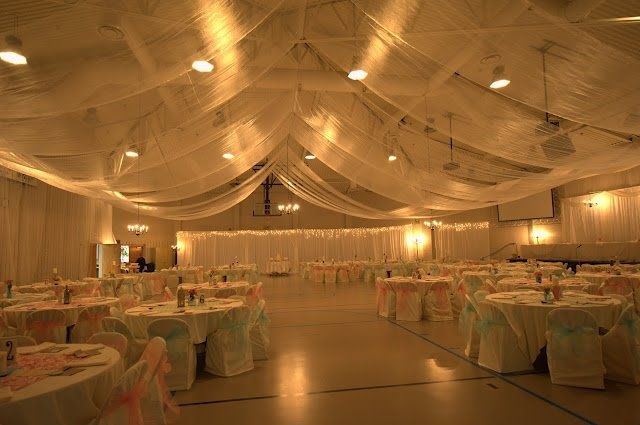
{"x": 210, "y": 290}
{"x": 19, "y": 298}
{"x": 278, "y": 266}
{"x": 571, "y": 284}
{"x": 527, "y": 315}
{"x": 17, "y": 315}
{"x": 78, "y": 287}
{"x": 423, "y": 284}
{"x": 60, "y": 400}
{"x": 202, "y": 319}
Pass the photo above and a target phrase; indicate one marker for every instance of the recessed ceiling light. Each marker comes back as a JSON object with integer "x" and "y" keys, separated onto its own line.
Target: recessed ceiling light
{"x": 131, "y": 153}
{"x": 357, "y": 74}
{"x": 228, "y": 155}
{"x": 202, "y": 66}
{"x": 11, "y": 51}
{"x": 499, "y": 79}
{"x": 392, "y": 157}
{"x": 309, "y": 156}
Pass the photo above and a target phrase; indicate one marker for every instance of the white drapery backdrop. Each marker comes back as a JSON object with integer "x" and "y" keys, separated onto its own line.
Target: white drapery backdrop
{"x": 460, "y": 242}
{"x": 43, "y": 227}
{"x": 612, "y": 217}
{"x": 249, "y": 246}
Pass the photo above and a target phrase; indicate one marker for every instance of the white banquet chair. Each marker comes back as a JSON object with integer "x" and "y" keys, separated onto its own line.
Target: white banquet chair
{"x": 47, "y": 326}
{"x": 467, "y": 327}
{"x": 621, "y": 349}
{"x": 158, "y": 403}
{"x": 408, "y": 302}
{"x": 124, "y": 404}
{"x": 20, "y": 340}
{"x": 111, "y": 339}
{"x": 5, "y": 329}
{"x": 318, "y": 274}
{"x": 499, "y": 350}
{"x": 343, "y": 274}
{"x": 89, "y": 322}
{"x": 135, "y": 346}
{"x": 386, "y": 299}
{"x": 259, "y": 332}
{"x": 480, "y": 295}
{"x": 436, "y": 303}
{"x": 619, "y": 285}
{"x": 229, "y": 347}
{"x": 180, "y": 349}
{"x": 574, "y": 349}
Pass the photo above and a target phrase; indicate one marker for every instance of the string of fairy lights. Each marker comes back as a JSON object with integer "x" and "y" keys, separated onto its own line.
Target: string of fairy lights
{"x": 461, "y": 227}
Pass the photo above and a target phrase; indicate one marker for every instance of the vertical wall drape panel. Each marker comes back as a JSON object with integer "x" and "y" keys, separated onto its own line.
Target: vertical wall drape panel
{"x": 471, "y": 244}
{"x": 219, "y": 248}
{"x": 612, "y": 217}
{"x": 42, "y": 227}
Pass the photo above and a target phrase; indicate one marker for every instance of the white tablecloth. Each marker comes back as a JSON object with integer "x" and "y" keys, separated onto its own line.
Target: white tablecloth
{"x": 19, "y": 298}
{"x": 424, "y": 284}
{"x": 575, "y": 284}
{"x": 278, "y": 266}
{"x": 85, "y": 288}
{"x": 201, "y": 319}
{"x": 65, "y": 400}
{"x": 210, "y": 291}
{"x": 529, "y": 321}
{"x": 17, "y": 315}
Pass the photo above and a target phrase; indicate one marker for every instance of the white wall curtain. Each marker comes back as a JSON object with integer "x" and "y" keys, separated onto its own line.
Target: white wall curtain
{"x": 219, "y": 248}
{"x": 42, "y": 227}
{"x": 469, "y": 243}
{"x": 612, "y": 217}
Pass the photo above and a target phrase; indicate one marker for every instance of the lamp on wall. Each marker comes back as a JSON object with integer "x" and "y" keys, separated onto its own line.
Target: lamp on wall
{"x": 538, "y": 235}
{"x": 591, "y": 203}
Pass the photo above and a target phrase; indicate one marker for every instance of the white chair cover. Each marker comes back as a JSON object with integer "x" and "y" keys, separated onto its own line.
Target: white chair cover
{"x": 5, "y": 329}
{"x": 467, "y": 328}
{"x": 330, "y": 276}
{"x": 619, "y": 285}
{"x": 490, "y": 286}
{"x": 106, "y": 288}
{"x": 259, "y": 332}
{"x": 128, "y": 301}
{"x": 157, "y": 404}
{"x": 253, "y": 295}
{"x": 480, "y": 295}
{"x": 318, "y": 274}
{"x": 408, "y": 302}
{"x": 621, "y": 349}
{"x": 343, "y": 275}
{"x": 181, "y": 352}
{"x": 436, "y": 303}
{"x": 89, "y": 322}
{"x": 386, "y": 299}
{"x": 124, "y": 404}
{"x": 111, "y": 339}
{"x": 229, "y": 347}
{"x": 135, "y": 346}
{"x": 574, "y": 349}
{"x": 471, "y": 284}
{"x": 499, "y": 348}
{"x": 47, "y": 326}
{"x": 20, "y": 340}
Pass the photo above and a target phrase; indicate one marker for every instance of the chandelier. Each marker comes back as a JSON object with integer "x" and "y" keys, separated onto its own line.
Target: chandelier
{"x": 433, "y": 224}
{"x": 288, "y": 208}
{"x": 138, "y": 229}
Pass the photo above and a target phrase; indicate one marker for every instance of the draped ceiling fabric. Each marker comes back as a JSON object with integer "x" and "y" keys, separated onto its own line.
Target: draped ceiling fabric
{"x": 104, "y": 77}
{"x": 257, "y": 246}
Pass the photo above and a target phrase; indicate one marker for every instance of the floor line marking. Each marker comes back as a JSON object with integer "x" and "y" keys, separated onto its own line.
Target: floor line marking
{"x": 500, "y": 376}
{"x": 337, "y": 390}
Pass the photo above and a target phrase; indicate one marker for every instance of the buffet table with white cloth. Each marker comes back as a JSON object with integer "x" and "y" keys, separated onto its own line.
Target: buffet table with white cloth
{"x": 202, "y": 319}
{"x": 38, "y": 398}
{"x": 17, "y": 315}
{"x": 278, "y": 266}
{"x": 211, "y": 290}
{"x": 527, "y": 315}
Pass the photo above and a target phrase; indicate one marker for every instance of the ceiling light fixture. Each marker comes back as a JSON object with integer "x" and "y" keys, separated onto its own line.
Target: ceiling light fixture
{"x": 357, "y": 74}
{"x": 499, "y": 79}
{"x": 138, "y": 228}
{"x": 228, "y": 155}
{"x": 202, "y": 66}
{"x": 309, "y": 156}
{"x": 132, "y": 153}
{"x": 11, "y": 51}
{"x": 392, "y": 157}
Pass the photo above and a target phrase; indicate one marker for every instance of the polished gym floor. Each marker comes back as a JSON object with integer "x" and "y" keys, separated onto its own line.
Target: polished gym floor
{"x": 333, "y": 361}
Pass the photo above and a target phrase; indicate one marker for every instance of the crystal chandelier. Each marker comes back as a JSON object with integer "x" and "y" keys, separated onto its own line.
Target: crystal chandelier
{"x": 288, "y": 208}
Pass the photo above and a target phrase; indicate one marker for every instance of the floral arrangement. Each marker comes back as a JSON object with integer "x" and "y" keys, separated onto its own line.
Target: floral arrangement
{"x": 538, "y": 276}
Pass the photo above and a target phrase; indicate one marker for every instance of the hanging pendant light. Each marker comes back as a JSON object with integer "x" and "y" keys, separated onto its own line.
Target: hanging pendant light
{"x": 11, "y": 50}
{"x": 356, "y": 73}
{"x": 451, "y": 165}
{"x": 499, "y": 79}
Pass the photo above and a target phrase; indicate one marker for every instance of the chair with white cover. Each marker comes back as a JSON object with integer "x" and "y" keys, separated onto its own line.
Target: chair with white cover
{"x": 318, "y": 274}
{"x": 180, "y": 349}
{"x": 47, "y": 326}
{"x": 471, "y": 284}
{"x": 105, "y": 288}
{"x": 436, "y": 303}
{"x": 89, "y": 322}
{"x": 620, "y": 285}
{"x": 128, "y": 301}
{"x": 124, "y": 404}
{"x": 5, "y": 329}
{"x": 259, "y": 332}
{"x": 408, "y": 301}
{"x": 624, "y": 302}
{"x": 467, "y": 327}
{"x": 574, "y": 349}
{"x": 490, "y": 286}
{"x": 135, "y": 346}
{"x": 343, "y": 274}
{"x": 386, "y": 299}
{"x": 253, "y": 295}
{"x": 499, "y": 350}
{"x": 330, "y": 276}
{"x": 20, "y": 341}
{"x": 621, "y": 349}
{"x": 114, "y": 340}
{"x": 229, "y": 347}
{"x": 158, "y": 403}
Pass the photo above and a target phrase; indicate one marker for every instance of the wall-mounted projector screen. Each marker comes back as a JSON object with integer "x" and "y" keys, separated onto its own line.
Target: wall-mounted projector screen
{"x": 539, "y": 205}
